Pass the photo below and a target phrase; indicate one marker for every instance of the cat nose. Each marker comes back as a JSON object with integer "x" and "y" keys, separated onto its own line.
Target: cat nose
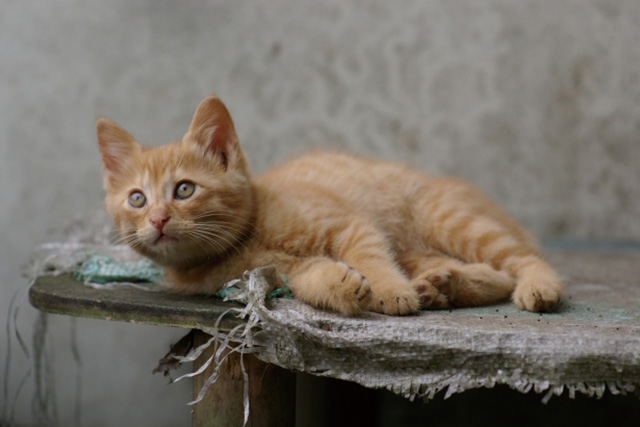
{"x": 158, "y": 220}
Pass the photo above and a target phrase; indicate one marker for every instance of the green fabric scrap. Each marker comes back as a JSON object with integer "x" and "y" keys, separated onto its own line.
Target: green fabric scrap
{"x": 225, "y": 292}
{"x": 283, "y": 292}
{"x": 99, "y": 268}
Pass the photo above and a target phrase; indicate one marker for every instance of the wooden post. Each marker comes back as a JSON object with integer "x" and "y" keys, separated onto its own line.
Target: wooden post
{"x": 271, "y": 392}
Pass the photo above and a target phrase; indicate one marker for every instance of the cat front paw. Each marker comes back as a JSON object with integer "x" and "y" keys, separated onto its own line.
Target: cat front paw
{"x": 395, "y": 300}
{"x": 436, "y": 290}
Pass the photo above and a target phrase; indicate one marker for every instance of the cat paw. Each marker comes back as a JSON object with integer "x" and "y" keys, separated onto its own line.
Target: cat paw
{"x": 395, "y": 301}
{"x": 537, "y": 296}
{"x": 435, "y": 290}
{"x": 354, "y": 291}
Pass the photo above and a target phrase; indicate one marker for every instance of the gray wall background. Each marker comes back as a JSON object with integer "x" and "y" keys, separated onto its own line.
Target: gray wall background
{"x": 536, "y": 102}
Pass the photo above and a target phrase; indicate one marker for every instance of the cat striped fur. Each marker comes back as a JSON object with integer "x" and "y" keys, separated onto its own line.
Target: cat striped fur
{"x": 352, "y": 234}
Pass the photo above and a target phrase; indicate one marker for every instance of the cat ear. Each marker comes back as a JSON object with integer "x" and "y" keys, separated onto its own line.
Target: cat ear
{"x": 116, "y": 147}
{"x": 212, "y": 130}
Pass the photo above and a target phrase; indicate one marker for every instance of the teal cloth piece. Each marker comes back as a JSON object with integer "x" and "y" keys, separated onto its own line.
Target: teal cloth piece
{"x": 100, "y": 268}
{"x": 283, "y": 292}
{"x": 224, "y": 292}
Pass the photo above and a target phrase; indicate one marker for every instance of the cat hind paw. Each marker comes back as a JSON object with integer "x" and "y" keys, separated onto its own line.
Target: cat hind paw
{"x": 435, "y": 290}
{"x": 538, "y": 289}
{"x": 536, "y": 297}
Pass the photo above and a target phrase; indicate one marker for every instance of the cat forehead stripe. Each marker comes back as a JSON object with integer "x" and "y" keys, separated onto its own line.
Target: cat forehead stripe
{"x": 169, "y": 183}
{"x": 146, "y": 178}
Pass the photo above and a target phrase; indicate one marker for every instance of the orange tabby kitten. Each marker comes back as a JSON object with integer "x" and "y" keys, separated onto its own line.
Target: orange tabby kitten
{"x": 352, "y": 234}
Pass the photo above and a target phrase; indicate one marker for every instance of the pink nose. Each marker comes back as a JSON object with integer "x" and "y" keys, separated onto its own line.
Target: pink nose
{"x": 159, "y": 220}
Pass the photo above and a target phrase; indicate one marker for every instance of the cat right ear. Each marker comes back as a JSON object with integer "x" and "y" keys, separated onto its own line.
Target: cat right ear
{"x": 212, "y": 130}
{"x": 116, "y": 147}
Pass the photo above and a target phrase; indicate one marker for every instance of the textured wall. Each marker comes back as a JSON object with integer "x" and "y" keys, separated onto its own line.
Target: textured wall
{"x": 535, "y": 101}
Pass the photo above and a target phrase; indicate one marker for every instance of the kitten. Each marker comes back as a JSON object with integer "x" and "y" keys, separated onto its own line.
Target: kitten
{"x": 352, "y": 234}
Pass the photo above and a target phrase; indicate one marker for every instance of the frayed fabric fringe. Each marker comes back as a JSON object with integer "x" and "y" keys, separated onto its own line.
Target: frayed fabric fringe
{"x": 416, "y": 357}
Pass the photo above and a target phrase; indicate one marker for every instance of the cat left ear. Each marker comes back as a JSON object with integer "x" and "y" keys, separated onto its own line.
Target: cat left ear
{"x": 212, "y": 129}
{"x": 116, "y": 147}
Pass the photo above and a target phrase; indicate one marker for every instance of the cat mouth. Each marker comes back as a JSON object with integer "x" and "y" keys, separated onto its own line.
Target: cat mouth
{"x": 164, "y": 239}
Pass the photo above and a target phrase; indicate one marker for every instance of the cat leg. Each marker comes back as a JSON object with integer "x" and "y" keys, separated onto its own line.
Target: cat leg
{"x": 325, "y": 283}
{"x": 459, "y": 221}
{"x": 538, "y": 286}
{"x": 443, "y": 281}
{"x": 361, "y": 246}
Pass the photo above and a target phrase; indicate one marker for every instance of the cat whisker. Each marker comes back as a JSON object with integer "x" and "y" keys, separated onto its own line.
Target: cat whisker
{"x": 214, "y": 235}
{"x": 213, "y": 244}
{"x": 213, "y": 214}
{"x": 133, "y": 242}
{"x": 230, "y": 227}
{"x": 240, "y": 223}
{"x": 199, "y": 242}
{"x": 211, "y": 233}
{"x": 115, "y": 235}
{"x": 224, "y": 228}
{"x": 231, "y": 230}
{"x": 126, "y": 239}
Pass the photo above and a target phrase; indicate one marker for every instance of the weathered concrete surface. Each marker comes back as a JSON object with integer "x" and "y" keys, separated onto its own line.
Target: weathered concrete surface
{"x": 65, "y": 295}
{"x": 592, "y": 338}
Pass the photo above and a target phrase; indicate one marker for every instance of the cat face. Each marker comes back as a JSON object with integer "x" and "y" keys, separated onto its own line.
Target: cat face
{"x": 182, "y": 203}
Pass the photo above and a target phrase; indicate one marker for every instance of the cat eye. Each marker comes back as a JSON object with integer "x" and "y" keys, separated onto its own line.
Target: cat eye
{"x": 184, "y": 190}
{"x": 137, "y": 199}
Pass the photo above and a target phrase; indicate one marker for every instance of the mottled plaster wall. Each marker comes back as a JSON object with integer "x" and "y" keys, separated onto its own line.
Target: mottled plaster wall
{"x": 536, "y": 102}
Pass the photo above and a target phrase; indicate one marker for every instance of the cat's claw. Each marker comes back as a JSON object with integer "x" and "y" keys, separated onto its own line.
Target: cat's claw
{"x": 355, "y": 291}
